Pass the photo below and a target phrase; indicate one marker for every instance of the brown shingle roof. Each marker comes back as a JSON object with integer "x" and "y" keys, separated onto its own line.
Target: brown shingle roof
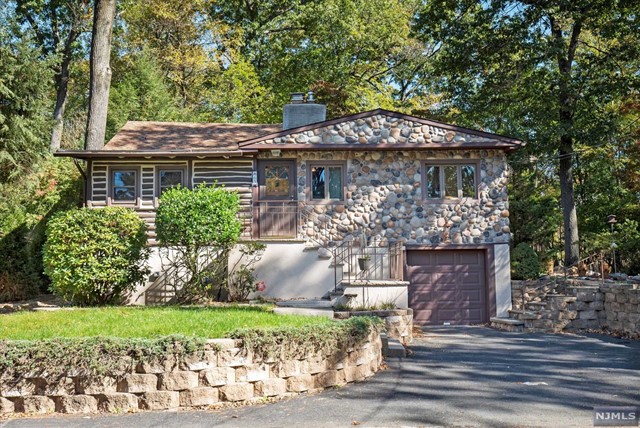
{"x": 186, "y": 136}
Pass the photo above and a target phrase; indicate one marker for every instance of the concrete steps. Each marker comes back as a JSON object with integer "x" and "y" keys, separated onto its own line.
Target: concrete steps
{"x": 507, "y": 324}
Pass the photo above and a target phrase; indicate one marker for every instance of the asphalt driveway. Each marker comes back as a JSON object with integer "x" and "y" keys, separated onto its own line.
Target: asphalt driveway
{"x": 456, "y": 376}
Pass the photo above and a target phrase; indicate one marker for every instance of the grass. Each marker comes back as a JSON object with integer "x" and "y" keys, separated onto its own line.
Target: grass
{"x": 145, "y": 322}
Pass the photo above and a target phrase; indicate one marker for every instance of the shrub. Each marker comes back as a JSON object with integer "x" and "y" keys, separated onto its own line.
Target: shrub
{"x": 524, "y": 262}
{"x": 18, "y": 276}
{"x": 26, "y": 203}
{"x": 197, "y": 229}
{"x": 96, "y": 256}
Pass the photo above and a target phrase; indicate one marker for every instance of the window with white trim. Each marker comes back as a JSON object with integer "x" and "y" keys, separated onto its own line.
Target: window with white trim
{"x": 450, "y": 180}
{"x": 169, "y": 177}
{"x": 124, "y": 185}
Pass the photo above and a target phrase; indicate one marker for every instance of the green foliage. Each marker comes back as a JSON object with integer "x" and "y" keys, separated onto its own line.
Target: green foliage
{"x": 139, "y": 92}
{"x": 25, "y": 103}
{"x": 625, "y": 240}
{"x": 205, "y": 216}
{"x": 242, "y": 281}
{"x": 25, "y": 206}
{"x": 197, "y": 229}
{"x": 551, "y": 73}
{"x": 95, "y": 256}
{"x": 54, "y": 358}
{"x": 524, "y": 262}
{"x": 292, "y": 343}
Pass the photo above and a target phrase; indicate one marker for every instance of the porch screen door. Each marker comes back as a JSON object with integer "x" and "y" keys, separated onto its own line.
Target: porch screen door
{"x": 277, "y": 203}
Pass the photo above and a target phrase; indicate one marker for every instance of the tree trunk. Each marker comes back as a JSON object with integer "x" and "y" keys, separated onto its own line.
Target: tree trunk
{"x": 62, "y": 80}
{"x": 569, "y": 215}
{"x": 100, "y": 82}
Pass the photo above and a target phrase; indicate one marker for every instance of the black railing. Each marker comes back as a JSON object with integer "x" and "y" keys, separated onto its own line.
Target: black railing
{"x": 366, "y": 259}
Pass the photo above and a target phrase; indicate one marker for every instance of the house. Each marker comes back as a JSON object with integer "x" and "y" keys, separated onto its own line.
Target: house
{"x": 377, "y": 205}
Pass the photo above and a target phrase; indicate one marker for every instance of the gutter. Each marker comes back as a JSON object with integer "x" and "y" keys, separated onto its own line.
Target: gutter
{"x": 149, "y": 154}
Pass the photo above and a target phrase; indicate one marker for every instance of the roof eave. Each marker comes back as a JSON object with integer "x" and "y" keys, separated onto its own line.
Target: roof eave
{"x": 150, "y": 154}
{"x": 509, "y": 147}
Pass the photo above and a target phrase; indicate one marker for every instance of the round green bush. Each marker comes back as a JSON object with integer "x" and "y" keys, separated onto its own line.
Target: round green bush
{"x": 205, "y": 216}
{"x": 524, "y": 262}
{"x": 96, "y": 256}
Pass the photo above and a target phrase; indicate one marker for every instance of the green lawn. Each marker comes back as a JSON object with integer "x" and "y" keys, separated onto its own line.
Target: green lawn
{"x": 144, "y": 322}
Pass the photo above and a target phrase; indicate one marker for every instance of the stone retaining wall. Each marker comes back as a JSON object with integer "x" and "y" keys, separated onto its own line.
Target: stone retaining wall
{"x": 398, "y": 322}
{"x": 224, "y": 373}
{"x": 577, "y": 305}
{"x": 622, "y": 308}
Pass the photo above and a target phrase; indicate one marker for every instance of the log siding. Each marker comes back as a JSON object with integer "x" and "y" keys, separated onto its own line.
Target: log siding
{"x": 233, "y": 174}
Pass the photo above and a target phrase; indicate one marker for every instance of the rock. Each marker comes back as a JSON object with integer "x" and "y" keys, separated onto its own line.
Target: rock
{"x": 37, "y": 404}
{"x": 76, "y": 404}
{"x": 160, "y": 400}
{"x": 218, "y": 376}
{"x": 236, "y": 392}
{"x": 177, "y": 381}
{"x": 252, "y": 373}
{"x": 136, "y": 383}
{"x": 95, "y": 385}
{"x": 200, "y": 396}
{"x": 117, "y": 402}
{"x": 6, "y": 406}
{"x": 271, "y": 387}
{"x": 300, "y": 383}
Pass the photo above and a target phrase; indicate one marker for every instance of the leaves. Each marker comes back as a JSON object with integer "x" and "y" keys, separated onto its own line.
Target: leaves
{"x": 96, "y": 256}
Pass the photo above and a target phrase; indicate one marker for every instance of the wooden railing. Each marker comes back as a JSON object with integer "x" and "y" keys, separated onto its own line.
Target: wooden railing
{"x": 277, "y": 219}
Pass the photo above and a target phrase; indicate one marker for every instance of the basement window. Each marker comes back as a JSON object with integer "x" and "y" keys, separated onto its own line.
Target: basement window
{"x": 450, "y": 181}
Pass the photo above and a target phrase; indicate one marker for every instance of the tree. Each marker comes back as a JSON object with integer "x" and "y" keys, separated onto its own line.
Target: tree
{"x": 352, "y": 51}
{"x": 100, "y": 79}
{"x": 25, "y": 80}
{"x": 139, "y": 92}
{"x": 177, "y": 34}
{"x": 57, "y": 25}
{"x": 544, "y": 71}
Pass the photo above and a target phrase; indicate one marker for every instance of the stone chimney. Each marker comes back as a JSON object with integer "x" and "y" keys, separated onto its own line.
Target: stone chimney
{"x": 301, "y": 111}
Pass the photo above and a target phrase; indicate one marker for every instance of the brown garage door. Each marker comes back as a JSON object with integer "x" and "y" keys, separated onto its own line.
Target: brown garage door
{"x": 447, "y": 286}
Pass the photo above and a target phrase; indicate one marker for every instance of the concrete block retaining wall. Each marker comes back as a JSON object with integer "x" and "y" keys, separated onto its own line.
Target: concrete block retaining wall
{"x": 576, "y": 305}
{"x": 225, "y": 372}
{"x": 398, "y": 322}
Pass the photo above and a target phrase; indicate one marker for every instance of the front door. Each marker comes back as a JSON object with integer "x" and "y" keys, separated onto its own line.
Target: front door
{"x": 277, "y": 205}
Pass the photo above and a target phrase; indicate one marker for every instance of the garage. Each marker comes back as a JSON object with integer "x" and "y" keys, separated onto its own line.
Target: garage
{"x": 448, "y": 286}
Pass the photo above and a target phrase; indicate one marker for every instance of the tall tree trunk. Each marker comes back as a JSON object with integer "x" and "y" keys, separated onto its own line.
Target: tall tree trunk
{"x": 569, "y": 215}
{"x": 104, "y": 12}
{"x": 62, "y": 80}
{"x": 566, "y": 100}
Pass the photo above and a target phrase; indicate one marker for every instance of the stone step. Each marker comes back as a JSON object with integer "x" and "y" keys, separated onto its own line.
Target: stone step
{"x": 507, "y": 324}
{"x": 506, "y": 321}
{"x": 394, "y": 349}
{"x": 304, "y": 311}
{"x": 306, "y": 303}
{"x": 537, "y": 304}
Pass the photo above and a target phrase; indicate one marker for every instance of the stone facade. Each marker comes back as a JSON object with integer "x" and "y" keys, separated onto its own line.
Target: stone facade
{"x": 384, "y": 198}
{"x": 381, "y": 129}
{"x": 227, "y": 374}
